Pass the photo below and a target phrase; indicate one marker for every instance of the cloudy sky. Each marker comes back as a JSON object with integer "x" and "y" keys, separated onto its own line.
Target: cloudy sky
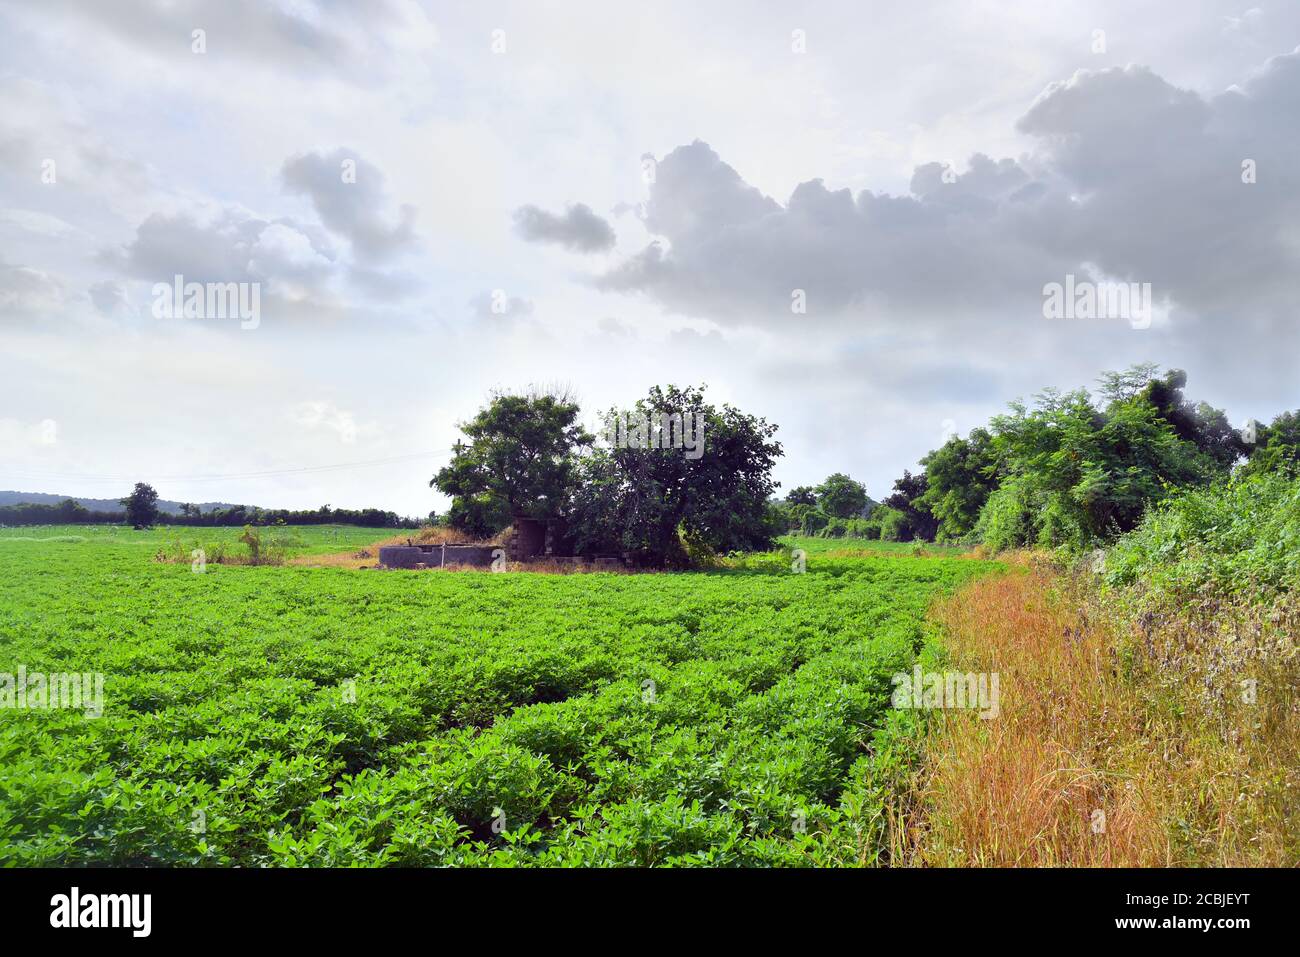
{"x": 841, "y": 218}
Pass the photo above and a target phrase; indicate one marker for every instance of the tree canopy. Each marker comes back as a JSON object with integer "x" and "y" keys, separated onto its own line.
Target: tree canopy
{"x": 841, "y": 497}
{"x": 659, "y": 504}
{"x": 520, "y": 461}
{"x": 141, "y": 506}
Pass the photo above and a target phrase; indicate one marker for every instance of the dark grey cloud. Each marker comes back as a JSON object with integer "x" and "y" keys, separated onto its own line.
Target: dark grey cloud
{"x": 1150, "y": 184}
{"x": 578, "y": 229}
{"x": 728, "y": 253}
{"x": 1129, "y": 176}
{"x": 349, "y": 196}
{"x": 299, "y": 277}
{"x": 232, "y": 247}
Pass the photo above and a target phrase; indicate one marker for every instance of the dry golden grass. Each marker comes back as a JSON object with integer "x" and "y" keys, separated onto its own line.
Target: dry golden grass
{"x": 1116, "y": 745}
{"x": 368, "y": 557}
{"x": 365, "y": 557}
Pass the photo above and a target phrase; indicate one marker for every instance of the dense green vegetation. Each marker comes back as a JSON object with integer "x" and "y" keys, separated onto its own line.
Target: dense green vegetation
{"x": 288, "y": 716}
{"x": 1239, "y": 539}
{"x": 1072, "y": 471}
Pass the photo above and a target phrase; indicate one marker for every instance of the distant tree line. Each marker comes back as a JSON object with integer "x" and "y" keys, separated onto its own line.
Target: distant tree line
{"x": 840, "y": 508}
{"x": 140, "y": 509}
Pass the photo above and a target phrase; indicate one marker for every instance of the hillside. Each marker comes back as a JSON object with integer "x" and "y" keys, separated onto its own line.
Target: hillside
{"x": 97, "y": 504}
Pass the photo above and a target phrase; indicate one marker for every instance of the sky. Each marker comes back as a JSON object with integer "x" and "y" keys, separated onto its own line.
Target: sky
{"x": 842, "y": 217}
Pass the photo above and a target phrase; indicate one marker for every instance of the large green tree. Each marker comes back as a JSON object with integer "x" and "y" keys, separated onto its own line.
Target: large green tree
{"x": 802, "y": 495}
{"x": 1275, "y": 447}
{"x": 1200, "y": 424}
{"x": 959, "y": 479}
{"x": 841, "y": 497}
{"x": 1072, "y": 474}
{"x": 520, "y": 461}
{"x": 666, "y": 507}
{"x": 141, "y": 506}
{"x": 908, "y": 500}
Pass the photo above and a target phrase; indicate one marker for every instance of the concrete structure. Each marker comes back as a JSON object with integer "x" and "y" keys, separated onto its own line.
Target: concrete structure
{"x": 527, "y": 539}
{"x": 436, "y": 556}
{"x": 537, "y": 538}
{"x": 530, "y": 540}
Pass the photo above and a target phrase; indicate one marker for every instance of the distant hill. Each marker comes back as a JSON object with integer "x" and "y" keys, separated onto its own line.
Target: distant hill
{"x": 97, "y": 504}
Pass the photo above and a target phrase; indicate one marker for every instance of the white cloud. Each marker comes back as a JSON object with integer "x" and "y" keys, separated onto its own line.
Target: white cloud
{"x": 325, "y": 415}
{"x": 28, "y": 293}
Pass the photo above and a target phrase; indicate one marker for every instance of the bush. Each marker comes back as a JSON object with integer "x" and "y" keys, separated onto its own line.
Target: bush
{"x": 892, "y": 523}
{"x": 1241, "y": 536}
{"x": 1007, "y": 519}
{"x": 851, "y": 528}
{"x": 813, "y": 522}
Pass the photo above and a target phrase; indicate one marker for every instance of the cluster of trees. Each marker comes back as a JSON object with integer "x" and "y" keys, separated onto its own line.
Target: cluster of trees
{"x": 840, "y": 507}
{"x": 140, "y": 509}
{"x": 529, "y": 456}
{"x": 1078, "y": 471}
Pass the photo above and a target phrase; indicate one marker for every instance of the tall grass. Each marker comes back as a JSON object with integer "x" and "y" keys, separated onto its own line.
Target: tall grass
{"x": 261, "y": 546}
{"x": 1124, "y": 739}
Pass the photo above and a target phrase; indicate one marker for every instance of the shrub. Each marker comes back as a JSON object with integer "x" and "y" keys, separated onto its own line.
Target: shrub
{"x": 1241, "y": 536}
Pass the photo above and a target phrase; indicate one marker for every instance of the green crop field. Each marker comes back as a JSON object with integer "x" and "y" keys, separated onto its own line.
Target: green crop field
{"x": 282, "y": 715}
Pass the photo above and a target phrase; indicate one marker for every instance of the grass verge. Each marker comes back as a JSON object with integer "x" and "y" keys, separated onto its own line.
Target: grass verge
{"x": 1165, "y": 737}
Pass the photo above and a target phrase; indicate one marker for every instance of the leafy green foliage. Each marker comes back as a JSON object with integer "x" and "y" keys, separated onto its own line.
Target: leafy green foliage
{"x": 908, "y": 500}
{"x": 802, "y": 495}
{"x": 646, "y": 501}
{"x": 1240, "y": 537}
{"x": 1074, "y": 475}
{"x": 1068, "y": 472}
{"x": 141, "y": 506}
{"x": 1276, "y": 447}
{"x": 841, "y": 497}
{"x": 520, "y": 461}
{"x": 959, "y": 479}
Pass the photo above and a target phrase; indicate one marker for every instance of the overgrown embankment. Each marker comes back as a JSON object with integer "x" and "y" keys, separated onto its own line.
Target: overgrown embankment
{"x": 1148, "y": 715}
